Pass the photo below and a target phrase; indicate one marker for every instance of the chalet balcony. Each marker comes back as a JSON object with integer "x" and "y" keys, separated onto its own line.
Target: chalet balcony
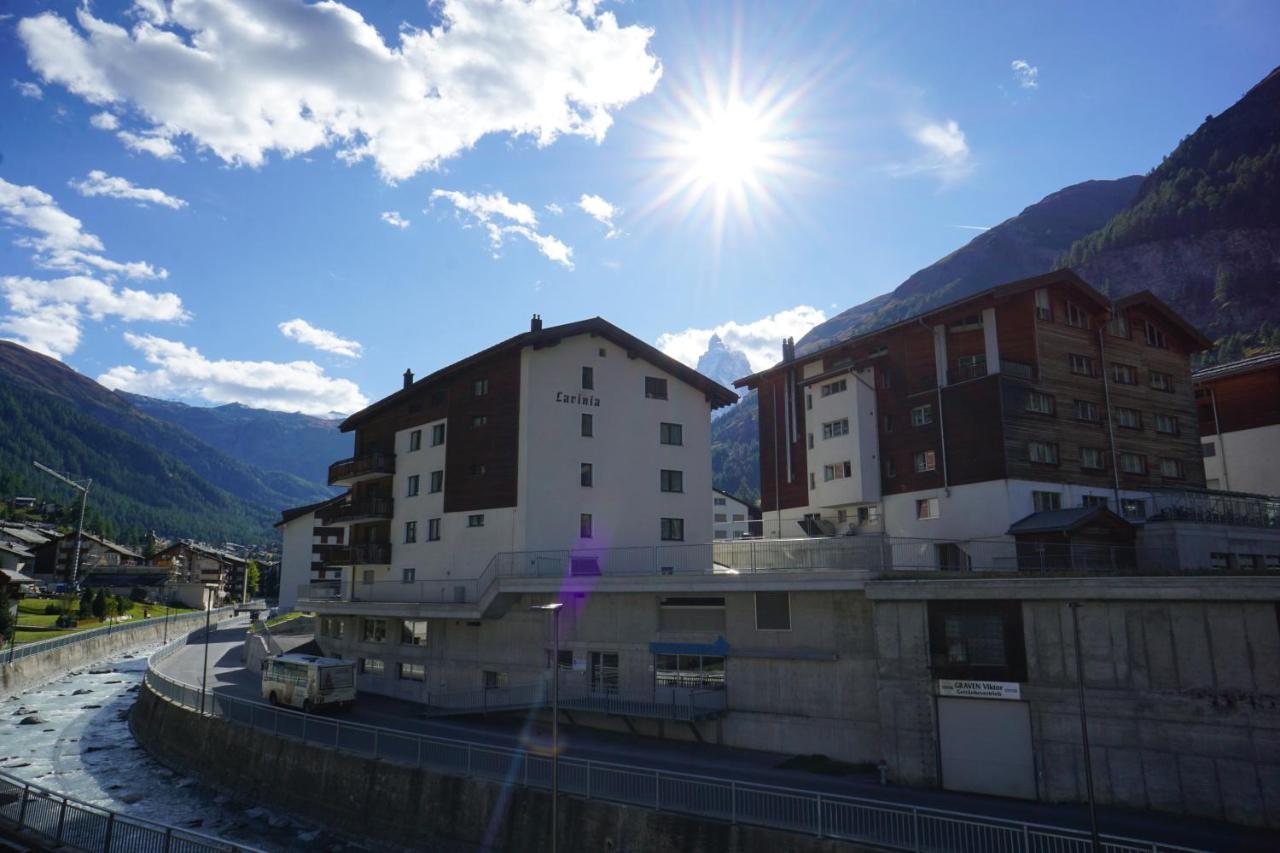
{"x": 357, "y": 469}
{"x": 363, "y": 509}
{"x": 368, "y": 554}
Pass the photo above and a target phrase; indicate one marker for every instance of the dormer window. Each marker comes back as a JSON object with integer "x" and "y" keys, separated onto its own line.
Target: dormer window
{"x": 1076, "y": 316}
{"x": 1155, "y": 335}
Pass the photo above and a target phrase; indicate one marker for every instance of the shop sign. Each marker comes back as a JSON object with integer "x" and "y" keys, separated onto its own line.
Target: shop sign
{"x": 979, "y": 689}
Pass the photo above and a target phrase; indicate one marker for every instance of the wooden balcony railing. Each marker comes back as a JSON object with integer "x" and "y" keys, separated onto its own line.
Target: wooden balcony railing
{"x": 347, "y": 471}
{"x": 358, "y": 510}
{"x": 368, "y": 554}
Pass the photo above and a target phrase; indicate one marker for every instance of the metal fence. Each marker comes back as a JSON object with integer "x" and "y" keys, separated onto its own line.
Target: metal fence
{"x": 41, "y": 646}
{"x": 875, "y": 823}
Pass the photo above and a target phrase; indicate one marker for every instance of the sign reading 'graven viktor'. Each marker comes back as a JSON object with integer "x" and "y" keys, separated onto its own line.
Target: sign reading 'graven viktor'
{"x": 580, "y": 399}
{"x": 979, "y": 689}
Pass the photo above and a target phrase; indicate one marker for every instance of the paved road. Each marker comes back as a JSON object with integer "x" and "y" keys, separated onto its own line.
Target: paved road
{"x": 226, "y": 676}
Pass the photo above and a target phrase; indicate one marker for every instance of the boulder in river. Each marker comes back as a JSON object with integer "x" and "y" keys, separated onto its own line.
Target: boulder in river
{"x": 31, "y": 720}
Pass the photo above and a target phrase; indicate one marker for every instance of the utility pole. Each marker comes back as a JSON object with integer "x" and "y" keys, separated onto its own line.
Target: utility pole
{"x": 73, "y": 581}
{"x": 1084, "y": 733}
{"x": 554, "y": 609}
{"x": 204, "y": 672}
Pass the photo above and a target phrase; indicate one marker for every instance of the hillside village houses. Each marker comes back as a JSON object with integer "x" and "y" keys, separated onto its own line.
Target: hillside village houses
{"x": 943, "y": 501}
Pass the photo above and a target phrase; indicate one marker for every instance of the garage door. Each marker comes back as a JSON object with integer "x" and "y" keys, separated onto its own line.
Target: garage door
{"x": 986, "y": 747}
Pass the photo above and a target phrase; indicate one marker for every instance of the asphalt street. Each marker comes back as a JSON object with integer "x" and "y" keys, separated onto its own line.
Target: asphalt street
{"x": 227, "y": 676}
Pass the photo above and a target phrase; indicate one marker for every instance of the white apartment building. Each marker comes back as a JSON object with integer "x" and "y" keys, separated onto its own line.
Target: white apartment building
{"x": 730, "y": 516}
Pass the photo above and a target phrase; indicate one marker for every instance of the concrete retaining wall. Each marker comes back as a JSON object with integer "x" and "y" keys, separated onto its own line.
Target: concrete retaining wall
{"x": 409, "y": 807}
{"x": 37, "y": 669}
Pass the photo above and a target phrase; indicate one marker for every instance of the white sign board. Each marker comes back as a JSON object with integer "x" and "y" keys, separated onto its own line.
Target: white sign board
{"x": 579, "y": 663}
{"x": 979, "y": 689}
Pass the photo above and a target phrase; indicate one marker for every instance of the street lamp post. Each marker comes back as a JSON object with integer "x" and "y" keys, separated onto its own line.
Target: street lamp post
{"x": 204, "y": 673}
{"x": 554, "y": 609}
{"x": 1096, "y": 845}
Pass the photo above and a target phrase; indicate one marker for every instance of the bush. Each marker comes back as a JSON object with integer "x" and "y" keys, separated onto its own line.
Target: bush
{"x": 52, "y": 609}
{"x": 138, "y": 594}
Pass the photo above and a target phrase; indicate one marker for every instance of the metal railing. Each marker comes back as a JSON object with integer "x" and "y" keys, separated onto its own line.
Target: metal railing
{"x": 1215, "y": 507}
{"x": 66, "y": 822}
{"x": 883, "y": 824}
{"x": 682, "y": 706}
{"x": 41, "y": 646}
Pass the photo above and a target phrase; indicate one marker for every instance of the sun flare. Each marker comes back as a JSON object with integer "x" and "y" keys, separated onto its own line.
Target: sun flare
{"x": 728, "y": 148}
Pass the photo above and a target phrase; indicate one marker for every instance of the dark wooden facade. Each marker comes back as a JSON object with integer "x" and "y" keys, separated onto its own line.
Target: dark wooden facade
{"x": 990, "y": 419}
{"x": 1245, "y": 394}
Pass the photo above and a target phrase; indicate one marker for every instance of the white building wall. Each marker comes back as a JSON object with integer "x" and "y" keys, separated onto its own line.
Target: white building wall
{"x": 625, "y": 500}
{"x": 860, "y": 447}
{"x": 296, "y": 554}
{"x": 1251, "y": 461}
{"x": 730, "y": 517}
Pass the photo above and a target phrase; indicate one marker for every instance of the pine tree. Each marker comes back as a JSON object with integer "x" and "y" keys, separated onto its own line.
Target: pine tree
{"x": 7, "y": 625}
{"x": 86, "y": 603}
{"x": 100, "y": 605}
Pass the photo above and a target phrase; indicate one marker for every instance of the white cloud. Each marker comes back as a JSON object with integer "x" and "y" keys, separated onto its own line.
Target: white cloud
{"x": 760, "y": 341}
{"x": 393, "y": 217}
{"x": 502, "y": 218}
{"x": 601, "y": 211}
{"x": 244, "y": 78}
{"x": 945, "y": 153}
{"x": 57, "y": 239}
{"x": 972, "y": 227}
{"x": 1025, "y": 74}
{"x": 322, "y": 339}
{"x": 104, "y": 121}
{"x": 28, "y": 90}
{"x": 182, "y": 371}
{"x": 552, "y": 207}
{"x": 100, "y": 183}
{"x": 156, "y": 144}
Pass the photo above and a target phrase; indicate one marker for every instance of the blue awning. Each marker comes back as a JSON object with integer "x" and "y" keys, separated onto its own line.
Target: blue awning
{"x": 720, "y": 648}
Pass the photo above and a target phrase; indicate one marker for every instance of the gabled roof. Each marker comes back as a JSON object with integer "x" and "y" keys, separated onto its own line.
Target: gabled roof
{"x": 1233, "y": 368}
{"x": 1066, "y": 520}
{"x": 105, "y": 543}
{"x": 716, "y": 393}
{"x": 16, "y": 577}
{"x": 25, "y": 534}
{"x": 730, "y": 496}
{"x": 1146, "y": 297}
{"x": 15, "y": 548}
{"x": 1000, "y": 291}
{"x": 288, "y": 515}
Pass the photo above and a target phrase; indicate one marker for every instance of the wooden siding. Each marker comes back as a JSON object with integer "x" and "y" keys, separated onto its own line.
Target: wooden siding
{"x": 793, "y": 493}
{"x": 1245, "y": 401}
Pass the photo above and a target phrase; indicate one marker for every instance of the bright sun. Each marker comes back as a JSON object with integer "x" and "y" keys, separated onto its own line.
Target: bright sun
{"x": 727, "y": 149}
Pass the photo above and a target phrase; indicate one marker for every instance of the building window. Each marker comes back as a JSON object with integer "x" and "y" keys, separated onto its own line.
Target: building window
{"x": 433, "y": 530}
{"x": 375, "y": 630}
{"x": 584, "y": 475}
{"x": 1167, "y": 424}
{"x": 588, "y": 425}
{"x": 411, "y": 486}
{"x": 888, "y": 424}
{"x": 1043, "y": 312}
{"x": 1046, "y": 501}
{"x": 1076, "y": 316}
{"x": 697, "y": 672}
{"x": 868, "y": 515}
{"x": 415, "y": 440}
{"x": 480, "y": 387}
{"x": 1133, "y": 463}
{"x": 1081, "y": 365}
{"x": 1219, "y": 561}
{"x": 671, "y": 481}
{"x": 672, "y": 529}
{"x": 478, "y": 469}
{"x": 1128, "y": 418}
{"x": 811, "y": 441}
{"x": 588, "y": 378}
{"x": 413, "y": 632}
{"x": 838, "y": 471}
{"x": 476, "y": 520}
{"x": 479, "y": 420}
{"x": 1271, "y": 562}
{"x": 655, "y": 388}
{"x": 584, "y": 525}
{"x": 833, "y": 429}
{"x": 773, "y": 611}
{"x": 719, "y": 502}
{"x": 366, "y": 576}
{"x": 813, "y": 482}
{"x": 1094, "y": 500}
{"x": 437, "y": 435}
{"x": 1134, "y": 509}
{"x": 833, "y": 387}
{"x": 1041, "y": 404}
{"x": 1171, "y": 469}
{"x": 671, "y": 434}
{"x": 927, "y": 508}
{"x": 437, "y": 482}
{"x": 413, "y": 672}
{"x": 1208, "y": 450}
{"x": 1124, "y": 374}
{"x": 1118, "y": 326}
{"x": 922, "y": 415}
{"x": 1042, "y": 452}
{"x": 408, "y": 575}
{"x": 1161, "y": 381}
{"x": 925, "y": 460}
{"x": 410, "y": 532}
{"x": 1155, "y": 335}
{"x": 721, "y": 518}
{"x": 1092, "y": 458}
{"x": 372, "y": 666}
{"x": 971, "y": 366}
{"x": 977, "y": 639}
{"x": 1084, "y": 410}
{"x": 890, "y": 469}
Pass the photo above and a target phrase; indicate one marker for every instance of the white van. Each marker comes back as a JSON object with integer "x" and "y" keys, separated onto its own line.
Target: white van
{"x": 309, "y": 682}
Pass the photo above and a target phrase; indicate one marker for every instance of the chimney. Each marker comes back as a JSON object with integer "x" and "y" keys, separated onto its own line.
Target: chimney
{"x": 408, "y": 377}
{"x": 788, "y": 349}
{"x": 535, "y": 325}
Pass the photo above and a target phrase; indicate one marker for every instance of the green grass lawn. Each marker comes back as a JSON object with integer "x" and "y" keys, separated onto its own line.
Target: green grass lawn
{"x": 31, "y": 615}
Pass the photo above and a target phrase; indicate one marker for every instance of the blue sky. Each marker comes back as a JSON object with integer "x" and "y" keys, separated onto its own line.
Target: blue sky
{"x": 428, "y": 176}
